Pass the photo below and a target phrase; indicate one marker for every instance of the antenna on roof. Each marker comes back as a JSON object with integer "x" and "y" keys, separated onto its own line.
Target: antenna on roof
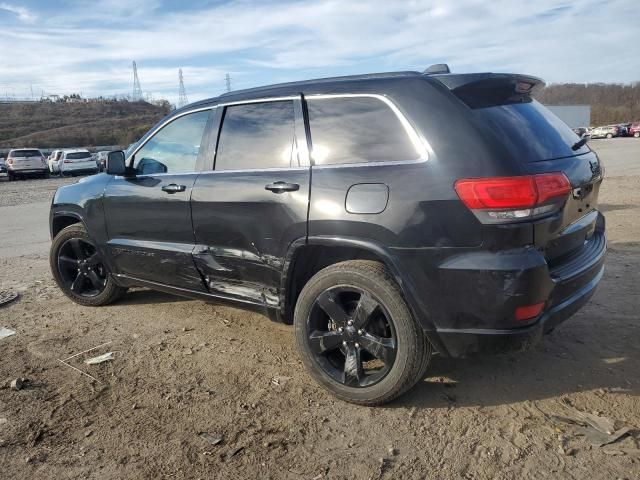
{"x": 437, "y": 68}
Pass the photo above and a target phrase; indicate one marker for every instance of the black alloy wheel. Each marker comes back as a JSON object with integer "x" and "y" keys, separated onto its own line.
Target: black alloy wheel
{"x": 351, "y": 336}
{"x": 81, "y": 269}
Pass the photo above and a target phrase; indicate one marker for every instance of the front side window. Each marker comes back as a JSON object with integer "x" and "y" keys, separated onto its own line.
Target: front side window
{"x": 256, "y": 136}
{"x": 357, "y": 130}
{"x": 174, "y": 148}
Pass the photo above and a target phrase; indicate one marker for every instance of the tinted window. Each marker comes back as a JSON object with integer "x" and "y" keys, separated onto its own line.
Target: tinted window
{"x": 256, "y": 136}
{"x": 530, "y": 131}
{"x": 355, "y": 130}
{"x": 174, "y": 148}
{"x": 78, "y": 155}
{"x": 25, "y": 153}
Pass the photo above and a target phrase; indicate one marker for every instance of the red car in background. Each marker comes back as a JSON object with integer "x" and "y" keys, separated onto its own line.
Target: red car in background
{"x": 634, "y": 130}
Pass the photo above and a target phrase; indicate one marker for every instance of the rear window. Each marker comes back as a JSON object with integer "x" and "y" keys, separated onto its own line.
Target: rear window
{"x": 78, "y": 155}
{"x": 25, "y": 153}
{"x": 530, "y": 131}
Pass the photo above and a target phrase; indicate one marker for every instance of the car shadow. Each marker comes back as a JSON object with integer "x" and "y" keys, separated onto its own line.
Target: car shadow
{"x": 612, "y": 207}
{"x": 147, "y": 297}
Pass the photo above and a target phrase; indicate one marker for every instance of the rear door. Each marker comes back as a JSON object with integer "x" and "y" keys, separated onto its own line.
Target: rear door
{"x": 27, "y": 159}
{"x": 253, "y": 204}
{"x": 148, "y": 215}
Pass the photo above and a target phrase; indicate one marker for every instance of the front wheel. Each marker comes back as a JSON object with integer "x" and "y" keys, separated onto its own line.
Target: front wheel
{"x": 636, "y": 134}
{"x": 609, "y": 135}
{"x": 79, "y": 270}
{"x": 356, "y": 335}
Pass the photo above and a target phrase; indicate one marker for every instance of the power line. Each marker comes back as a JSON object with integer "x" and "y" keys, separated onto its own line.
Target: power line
{"x": 182, "y": 93}
{"x": 137, "y": 89}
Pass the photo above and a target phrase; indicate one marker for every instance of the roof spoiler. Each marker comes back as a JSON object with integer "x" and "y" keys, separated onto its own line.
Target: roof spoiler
{"x": 488, "y": 89}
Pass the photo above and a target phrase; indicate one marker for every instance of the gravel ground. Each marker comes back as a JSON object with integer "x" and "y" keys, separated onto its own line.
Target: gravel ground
{"x": 187, "y": 374}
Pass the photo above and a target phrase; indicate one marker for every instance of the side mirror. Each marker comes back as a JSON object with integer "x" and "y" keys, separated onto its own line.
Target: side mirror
{"x": 116, "y": 163}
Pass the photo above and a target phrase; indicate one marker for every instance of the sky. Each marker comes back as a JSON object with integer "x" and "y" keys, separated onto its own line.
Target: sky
{"x": 74, "y": 46}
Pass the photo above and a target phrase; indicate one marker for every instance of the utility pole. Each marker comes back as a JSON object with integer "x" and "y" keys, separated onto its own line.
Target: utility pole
{"x": 228, "y": 80}
{"x": 137, "y": 89}
{"x": 182, "y": 93}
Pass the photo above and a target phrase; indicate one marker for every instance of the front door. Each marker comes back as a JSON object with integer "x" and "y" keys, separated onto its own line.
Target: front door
{"x": 148, "y": 215}
{"x": 253, "y": 204}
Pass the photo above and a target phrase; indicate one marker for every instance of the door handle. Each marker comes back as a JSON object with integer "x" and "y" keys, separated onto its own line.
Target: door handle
{"x": 281, "y": 187}
{"x": 173, "y": 188}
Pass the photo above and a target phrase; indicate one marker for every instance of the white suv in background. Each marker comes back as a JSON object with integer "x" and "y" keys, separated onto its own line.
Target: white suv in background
{"x": 53, "y": 160}
{"x": 77, "y": 161}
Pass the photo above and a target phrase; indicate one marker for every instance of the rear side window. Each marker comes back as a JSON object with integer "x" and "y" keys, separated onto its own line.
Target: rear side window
{"x": 25, "y": 153}
{"x": 256, "y": 136}
{"x": 357, "y": 130}
{"x": 530, "y": 131}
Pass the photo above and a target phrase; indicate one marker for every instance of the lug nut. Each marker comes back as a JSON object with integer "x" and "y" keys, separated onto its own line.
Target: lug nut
{"x": 357, "y": 345}
{"x": 340, "y": 330}
{"x": 360, "y": 332}
{"x": 344, "y": 344}
{"x": 350, "y": 322}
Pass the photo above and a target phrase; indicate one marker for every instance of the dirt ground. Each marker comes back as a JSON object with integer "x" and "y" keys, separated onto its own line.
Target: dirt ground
{"x": 187, "y": 374}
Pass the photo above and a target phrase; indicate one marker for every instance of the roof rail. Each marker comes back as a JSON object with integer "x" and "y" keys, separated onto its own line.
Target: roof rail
{"x": 437, "y": 68}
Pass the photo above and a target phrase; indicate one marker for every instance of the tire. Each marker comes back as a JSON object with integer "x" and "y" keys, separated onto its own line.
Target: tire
{"x": 636, "y": 134}
{"x": 12, "y": 177}
{"x": 65, "y": 242}
{"x": 45, "y": 175}
{"x": 609, "y": 135}
{"x": 375, "y": 285}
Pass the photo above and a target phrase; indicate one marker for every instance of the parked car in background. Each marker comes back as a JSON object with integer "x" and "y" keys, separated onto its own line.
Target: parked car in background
{"x": 24, "y": 162}
{"x": 634, "y": 130}
{"x": 623, "y": 129}
{"x": 345, "y": 207}
{"x": 609, "y": 131}
{"x": 54, "y": 160}
{"x": 101, "y": 160}
{"x": 3, "y": 168}
{"x": 580, "y": 131}
{"x": 76, "y": 162}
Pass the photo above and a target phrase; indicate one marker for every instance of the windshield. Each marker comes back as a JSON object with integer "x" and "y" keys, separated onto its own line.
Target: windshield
{"x": 25, "y": 153}
{"x": 78, "y": 155}
{"x": 530, "y": 131}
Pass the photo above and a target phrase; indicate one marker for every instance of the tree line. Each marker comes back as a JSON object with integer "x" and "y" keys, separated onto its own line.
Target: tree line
{"x": 611, "y": 103}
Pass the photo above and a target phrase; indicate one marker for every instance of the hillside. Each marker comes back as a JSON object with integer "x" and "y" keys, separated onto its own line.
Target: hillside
{"x": 59, "y": 124}
{"x": 610, "y": 103}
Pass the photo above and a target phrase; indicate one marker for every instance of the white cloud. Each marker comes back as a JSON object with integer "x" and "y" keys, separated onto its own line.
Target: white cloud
{"x": 89, "y": 48}
{"x": 21, "y": 12}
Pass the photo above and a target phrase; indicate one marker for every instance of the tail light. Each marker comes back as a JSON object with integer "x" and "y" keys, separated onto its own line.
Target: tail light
{"x": 10, "y": 161}
{"x": 528, "y": 312}
{"x": 505, "y": 199}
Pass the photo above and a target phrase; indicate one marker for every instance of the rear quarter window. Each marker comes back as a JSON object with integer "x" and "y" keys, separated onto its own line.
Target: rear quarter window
{"x": 356, "y": 130}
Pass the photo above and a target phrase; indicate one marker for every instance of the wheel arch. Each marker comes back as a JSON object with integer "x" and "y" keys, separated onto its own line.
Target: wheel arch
{"x": 306, "y": 257}
{"x": 62, "y": 219}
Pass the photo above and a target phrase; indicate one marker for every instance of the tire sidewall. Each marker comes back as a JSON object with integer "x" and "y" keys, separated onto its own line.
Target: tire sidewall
{"x": 389, "y": 297}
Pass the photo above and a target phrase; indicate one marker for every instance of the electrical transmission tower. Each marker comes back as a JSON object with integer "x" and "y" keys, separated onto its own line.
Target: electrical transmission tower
{"x": 182, "y": 93}
{"x": 228, "y": 80}
{"x": 137, "y": 89}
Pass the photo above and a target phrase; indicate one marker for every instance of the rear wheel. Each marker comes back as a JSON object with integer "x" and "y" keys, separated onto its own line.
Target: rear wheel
{"x": 609, "y": 135}
{"x": 79, "y": 270}
{"x": 12, "y": 177}
{"x": 46, "y": 174}
{"x": 356, "y": 335}
{"x": 636, "y": 134}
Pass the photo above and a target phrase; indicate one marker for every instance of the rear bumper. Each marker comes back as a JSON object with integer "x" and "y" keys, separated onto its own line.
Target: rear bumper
{"x": 464, "y": 342}
{"x": 478, "y": 317}
{"x": 28, "y": 171}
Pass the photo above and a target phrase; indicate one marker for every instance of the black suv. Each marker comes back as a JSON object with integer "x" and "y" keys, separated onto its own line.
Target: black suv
{"x": 386, "y": 216}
